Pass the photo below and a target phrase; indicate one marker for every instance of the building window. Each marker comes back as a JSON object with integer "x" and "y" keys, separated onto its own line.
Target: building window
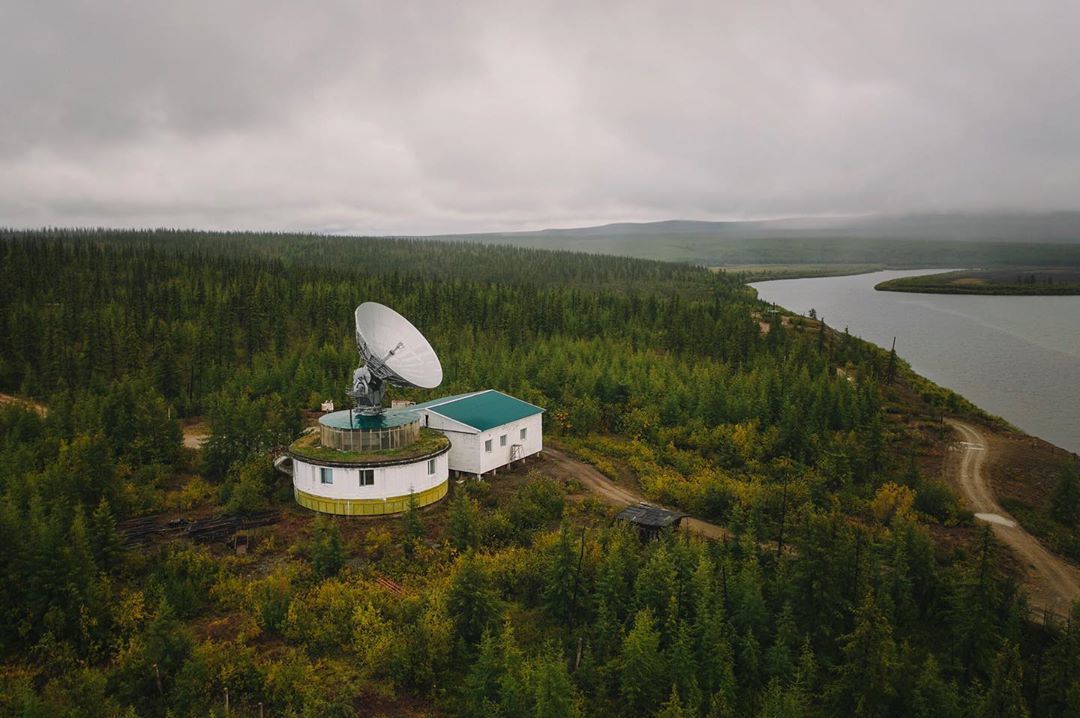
{"x": 367, "y": 477}
{"x": 487, "y": 446}
{"x": 326, "y": 475}
{"x": 524, "y": 433}
{"x": 502, "y": 440}
{"x": 431, "y": 467}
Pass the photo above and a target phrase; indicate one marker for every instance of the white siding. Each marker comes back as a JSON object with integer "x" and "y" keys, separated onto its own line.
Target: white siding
{"x": 467, "y": 454}
{"x": 443, "y": 423}
{"x": 500, "y": 455}
{"x": 465, "y": 450}
{"x": 389, "y": 480}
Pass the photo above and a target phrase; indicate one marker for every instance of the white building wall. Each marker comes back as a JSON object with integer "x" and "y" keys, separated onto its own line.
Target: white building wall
{"x": 467, "y": 453}
{"x": 499, "y": 455}
{"x": 444, "y": 423}
{"x": 389, "y": 480}
{"x": 464, "y": 452}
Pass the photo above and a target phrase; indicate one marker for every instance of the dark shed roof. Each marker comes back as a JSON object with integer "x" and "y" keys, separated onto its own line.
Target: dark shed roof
{"x": 652, "y": 517}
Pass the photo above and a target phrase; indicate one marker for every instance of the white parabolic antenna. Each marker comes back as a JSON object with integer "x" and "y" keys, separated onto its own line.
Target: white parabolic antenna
{"x": 394, "y": 352}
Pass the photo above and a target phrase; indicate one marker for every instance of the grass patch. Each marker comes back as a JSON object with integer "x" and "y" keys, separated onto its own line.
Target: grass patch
{"x": 765, "y": 272}
{"x": 1058, "y": 537}
{"x": 309, "y": 447}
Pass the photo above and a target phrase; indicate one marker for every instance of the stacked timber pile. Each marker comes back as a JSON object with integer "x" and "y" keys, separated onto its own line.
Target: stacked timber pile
{"x": 140, "y": 531}
{"x": 391, "y": 586}
{"x": 223, "y": 527}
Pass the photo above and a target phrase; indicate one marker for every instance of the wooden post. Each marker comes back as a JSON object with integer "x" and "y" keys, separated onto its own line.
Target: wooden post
{"x": 226, "y": 700}
{"x": 577, "y": 577}
{"x": 783, "y": 516}
{"x": 855, "y": 577}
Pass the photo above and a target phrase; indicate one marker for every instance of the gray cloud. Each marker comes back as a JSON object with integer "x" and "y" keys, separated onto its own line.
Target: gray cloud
{"x": 390, "y": 117}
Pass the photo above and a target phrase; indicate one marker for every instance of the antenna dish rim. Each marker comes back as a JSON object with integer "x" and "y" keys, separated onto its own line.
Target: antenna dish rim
{"x": 394, "y": 350}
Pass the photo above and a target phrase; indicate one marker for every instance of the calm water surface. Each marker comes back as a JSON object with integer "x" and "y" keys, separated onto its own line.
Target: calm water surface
{"x": 1017, "y": 357}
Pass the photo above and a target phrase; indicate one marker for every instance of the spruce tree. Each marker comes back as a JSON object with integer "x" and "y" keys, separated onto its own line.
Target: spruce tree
{"x": 553, "y": 692}
{"x": 683, "y": 669}
{"x": 934, "y": 697}
{"x": 1005, "y": 697}
{"x": 656, "y": 582}
{"x": 643, "y": 676}
{"x": 464, "y": 522}
{"x": 106, "y": 540}
{"x": 412, "y": 527}
{"x": 481, "y": 689}
{"x": 1060, "y": 689}
{"x": 673, "y": 707}
{"x": 716, "y": 656}
{"x": 471, "y": 599}
{"x": 780, "y": 658}
{"x": 865, "y": 684}
{"x": 780, "y": 702}
{"x": 749, "y": 669}
{"x": 560, "y": 574}
{"x": 1065, "y": 500}
{"x": 513, "y": 698}
{"x": 327, "y": 554}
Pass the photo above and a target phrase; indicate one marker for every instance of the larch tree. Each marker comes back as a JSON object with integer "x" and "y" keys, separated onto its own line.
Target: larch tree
{"x": 643, "y": 677}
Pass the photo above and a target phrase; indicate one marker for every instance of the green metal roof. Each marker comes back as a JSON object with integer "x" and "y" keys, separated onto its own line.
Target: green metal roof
{"x": 435, "y": 402}
{"x": 481, "y": 410}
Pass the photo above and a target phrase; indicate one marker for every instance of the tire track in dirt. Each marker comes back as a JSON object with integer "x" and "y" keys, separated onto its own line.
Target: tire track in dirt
{"x": 1051, "y": 582}
{"x": 564, "y": 466}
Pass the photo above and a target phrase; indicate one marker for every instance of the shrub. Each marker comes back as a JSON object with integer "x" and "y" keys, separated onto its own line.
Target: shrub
{"x": 248, "y": 483}
{"x": 1065, "y": 501}
{"x": 327, "y": 554}
{"x": 935, "y": 499}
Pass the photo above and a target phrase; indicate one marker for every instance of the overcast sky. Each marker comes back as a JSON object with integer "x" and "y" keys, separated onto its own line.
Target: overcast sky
{"x": 409, "y": 117}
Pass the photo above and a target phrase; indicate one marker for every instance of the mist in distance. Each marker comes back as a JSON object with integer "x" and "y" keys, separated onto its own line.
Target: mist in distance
{"x": 383, "y": 118}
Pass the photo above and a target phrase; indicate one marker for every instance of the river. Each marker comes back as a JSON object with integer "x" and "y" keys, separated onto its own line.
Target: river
{"x": 1017, "y": 357}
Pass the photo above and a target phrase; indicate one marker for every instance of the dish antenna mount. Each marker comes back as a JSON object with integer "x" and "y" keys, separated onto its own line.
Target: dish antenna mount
{"x": 394, "y": 352}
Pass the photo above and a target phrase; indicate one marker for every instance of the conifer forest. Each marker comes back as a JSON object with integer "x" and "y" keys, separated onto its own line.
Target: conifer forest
{"x": 848, "y": 579}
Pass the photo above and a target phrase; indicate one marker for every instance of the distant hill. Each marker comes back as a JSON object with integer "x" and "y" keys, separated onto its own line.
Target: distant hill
{"x": 1049, "y": 227}
{"x": 910, "y": 240}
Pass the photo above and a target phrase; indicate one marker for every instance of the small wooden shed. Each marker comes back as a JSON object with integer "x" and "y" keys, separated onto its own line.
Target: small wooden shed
{"x": 650, "y": 520}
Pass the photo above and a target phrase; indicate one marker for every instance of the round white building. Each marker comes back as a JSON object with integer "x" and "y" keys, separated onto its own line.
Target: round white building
{"x": 356, "y": 464}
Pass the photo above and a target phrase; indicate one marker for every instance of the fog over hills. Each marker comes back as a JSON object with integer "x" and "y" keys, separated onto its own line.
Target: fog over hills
{"x": 989, "y": 227}
{"x": 1010, "y": 238}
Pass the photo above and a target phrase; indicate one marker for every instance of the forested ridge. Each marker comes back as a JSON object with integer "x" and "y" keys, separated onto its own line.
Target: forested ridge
{"x": 832, "y": 597}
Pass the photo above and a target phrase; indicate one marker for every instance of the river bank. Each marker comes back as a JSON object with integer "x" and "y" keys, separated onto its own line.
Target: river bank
{"x": 1015, "y": 357}
{"x": 1008, "y": 281}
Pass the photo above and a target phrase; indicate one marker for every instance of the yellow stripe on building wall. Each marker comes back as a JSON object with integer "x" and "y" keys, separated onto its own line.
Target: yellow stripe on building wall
{"x": 368, "y": 507}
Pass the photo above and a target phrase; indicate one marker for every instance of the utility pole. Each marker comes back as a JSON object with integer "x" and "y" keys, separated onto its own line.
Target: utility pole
{"x": 577, "y": 579}
{"x": 890, "y": 373}
{"x": 783, "y": 516}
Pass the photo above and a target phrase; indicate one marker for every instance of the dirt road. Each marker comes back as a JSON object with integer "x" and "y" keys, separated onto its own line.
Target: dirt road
{"x": 563, "y": 466}
{"x": 28, "y": 403}
{"x": 195, "y": 436}
{"x": 1052, "y": 583}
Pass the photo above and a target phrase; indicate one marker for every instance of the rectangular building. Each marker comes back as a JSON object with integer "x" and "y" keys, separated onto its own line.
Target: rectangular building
{"x": 487, "y": 429}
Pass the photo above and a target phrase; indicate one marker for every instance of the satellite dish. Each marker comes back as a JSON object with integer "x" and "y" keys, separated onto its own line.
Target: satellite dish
{"x": 394, "y": 352}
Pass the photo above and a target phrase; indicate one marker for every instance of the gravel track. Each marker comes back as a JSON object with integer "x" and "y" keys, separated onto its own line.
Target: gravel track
{"x": 564, "y": 466}
{"x": 1051, "y": 582}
